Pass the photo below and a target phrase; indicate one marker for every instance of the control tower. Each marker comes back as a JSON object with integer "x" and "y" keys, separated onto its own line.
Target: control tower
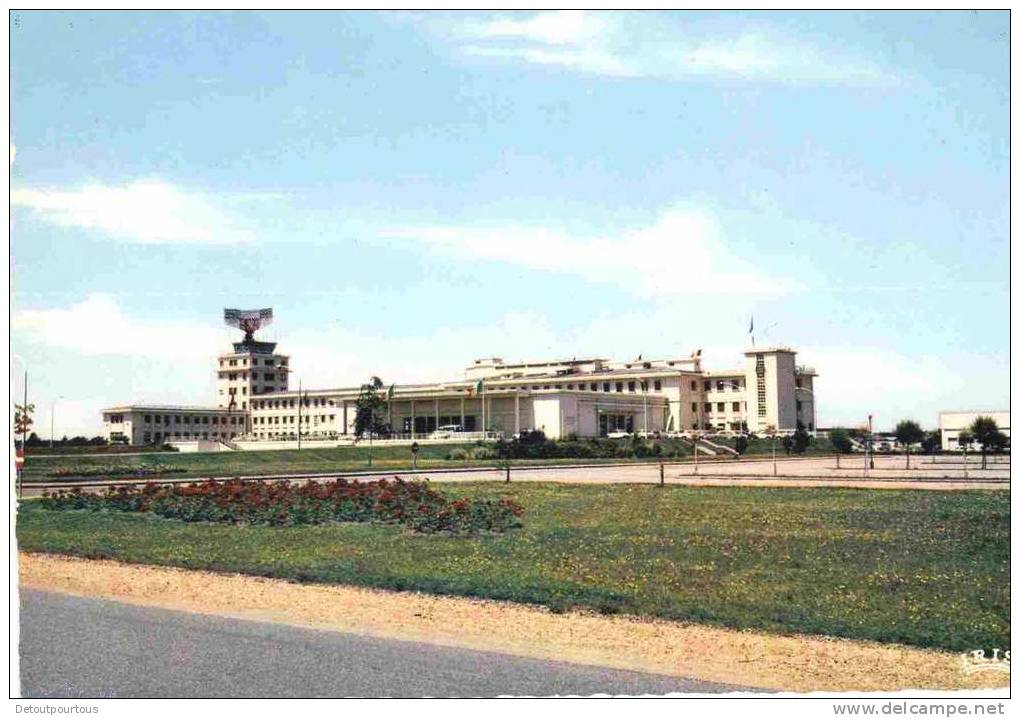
{"x": 253, "y": 368}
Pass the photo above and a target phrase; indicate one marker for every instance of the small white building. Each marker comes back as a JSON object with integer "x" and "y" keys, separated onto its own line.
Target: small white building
{"x": 951, "y": 423}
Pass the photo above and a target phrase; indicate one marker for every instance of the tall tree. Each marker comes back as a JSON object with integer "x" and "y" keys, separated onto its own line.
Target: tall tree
{"x": 986, "y": 432}
{"x": 840, "y": 440}
{"x": 801, "y": 439}
{"x": 369, "y": 408}
{"x": 932, "y": 442}
{"x": 965, "y": 439}
{"x": 23, "y": 418}
{"x": 908, "y": 433}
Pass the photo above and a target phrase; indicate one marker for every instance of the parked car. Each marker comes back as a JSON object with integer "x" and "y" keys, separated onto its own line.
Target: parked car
{"x": 446, "y": 432}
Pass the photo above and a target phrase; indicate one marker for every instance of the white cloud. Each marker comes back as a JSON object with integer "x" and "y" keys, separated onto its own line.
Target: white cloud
{"x": 97, "y": 326}
{"x": 856, "y": 380}
{"x": 338, "y": 356}
{"x": 580, "y": 59}
{"x": 618, "y": 45}
{"x": 148, "y": 212}
{"x": 682, "y": 253}
{"x": 754, "y": 55}
{"x": 558, "y": 27}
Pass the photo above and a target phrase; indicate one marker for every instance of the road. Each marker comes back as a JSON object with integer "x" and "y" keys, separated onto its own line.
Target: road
{"x": 92, "y": 648}
{"x": 889, "y": 472}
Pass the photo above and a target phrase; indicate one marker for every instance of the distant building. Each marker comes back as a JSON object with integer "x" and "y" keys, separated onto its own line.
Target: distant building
{"x": 951, "y": 423}
{"x": 583, "y": 397}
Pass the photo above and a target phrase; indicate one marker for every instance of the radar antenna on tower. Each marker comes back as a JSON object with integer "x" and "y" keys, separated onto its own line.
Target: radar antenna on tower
{"x": 250, "y": 321}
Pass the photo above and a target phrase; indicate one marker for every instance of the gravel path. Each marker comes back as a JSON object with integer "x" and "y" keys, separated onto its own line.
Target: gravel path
{"x": 684, "y": 651}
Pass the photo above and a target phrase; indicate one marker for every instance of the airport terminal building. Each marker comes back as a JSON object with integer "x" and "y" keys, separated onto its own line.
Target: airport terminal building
{"x": 585, "y": 397}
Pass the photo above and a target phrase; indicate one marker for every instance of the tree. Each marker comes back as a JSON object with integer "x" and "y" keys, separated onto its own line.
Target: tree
{"x": 23, "y": 418}
{"x": 908, "y": 432}
{"x": 986, "y": 432}
{"x": 369, "y": 407}
{"x": 801, "y": 439}
{"x": 840, "y": 440}
{"x": 965, "y": 439}
{"x": 932, "y": 442}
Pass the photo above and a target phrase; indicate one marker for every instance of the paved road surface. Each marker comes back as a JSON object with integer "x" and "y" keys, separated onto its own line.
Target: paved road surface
{"x": 92, "y": 648}
{"x": 889, "y": 472}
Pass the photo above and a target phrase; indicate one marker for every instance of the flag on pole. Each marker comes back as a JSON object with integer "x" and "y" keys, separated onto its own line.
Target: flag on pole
{"x": 750, "y": 330}
{"x": 389, "y": 393}
{"x": 480, "y": 385}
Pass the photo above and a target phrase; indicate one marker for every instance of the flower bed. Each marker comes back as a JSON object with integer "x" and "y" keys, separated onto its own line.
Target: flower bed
{"x": 280, "y": 503}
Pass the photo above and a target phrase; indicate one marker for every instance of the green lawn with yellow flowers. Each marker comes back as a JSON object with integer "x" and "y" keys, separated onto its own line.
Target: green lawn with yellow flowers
{"x": 928, "y": 568}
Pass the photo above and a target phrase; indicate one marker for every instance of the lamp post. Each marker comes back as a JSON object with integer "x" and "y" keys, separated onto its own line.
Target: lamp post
{"x": 695, "y": 436}
{"x": 871, "y": 450}
{"x": 770, "y": 431}
{"x": 53, "y": 409}
{"x": 300, "y": 401}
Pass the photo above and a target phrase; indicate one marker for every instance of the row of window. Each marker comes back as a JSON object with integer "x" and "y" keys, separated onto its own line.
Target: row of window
{"x": 306, "y": 419}
{"x": 720, "y": 406}
{"x": 290, "y": 403}
{"x": 254, "y": 362}
{"x": 266, "y": 376}
{"x": 187, "y": 419}
{"x": 632, "y": 386}
{"x": 720, "y": 385}
{"x": 291, "y": 435}
{"x": 148, "y": 438}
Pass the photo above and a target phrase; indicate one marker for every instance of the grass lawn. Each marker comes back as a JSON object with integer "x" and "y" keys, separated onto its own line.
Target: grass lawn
{"x": 928, "y": 568}
{"x": 106, "y": 450}
{"x": 232, "y": 463}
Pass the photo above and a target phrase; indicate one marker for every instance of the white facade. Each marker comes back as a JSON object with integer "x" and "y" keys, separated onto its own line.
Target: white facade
{"x": 582, "y": 397}
{"x": 141, "y": 424}
{"x": 951, "y": 423}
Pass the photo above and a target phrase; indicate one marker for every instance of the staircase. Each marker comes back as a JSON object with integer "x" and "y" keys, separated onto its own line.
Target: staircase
{"x": 719, "y": 447}
{"x": 702, "y": 449}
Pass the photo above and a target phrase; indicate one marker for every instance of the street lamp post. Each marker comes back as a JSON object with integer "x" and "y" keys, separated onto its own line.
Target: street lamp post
{"x": 300, "y": 401}
{"x": 770, "y": 431}
{"x": 694, "y": 439}
{"x": 53, "y": 409}
{"x": 871, "y": 449}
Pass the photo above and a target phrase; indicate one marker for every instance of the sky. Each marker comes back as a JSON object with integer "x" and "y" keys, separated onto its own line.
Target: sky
{"x": 411, "y": 191}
